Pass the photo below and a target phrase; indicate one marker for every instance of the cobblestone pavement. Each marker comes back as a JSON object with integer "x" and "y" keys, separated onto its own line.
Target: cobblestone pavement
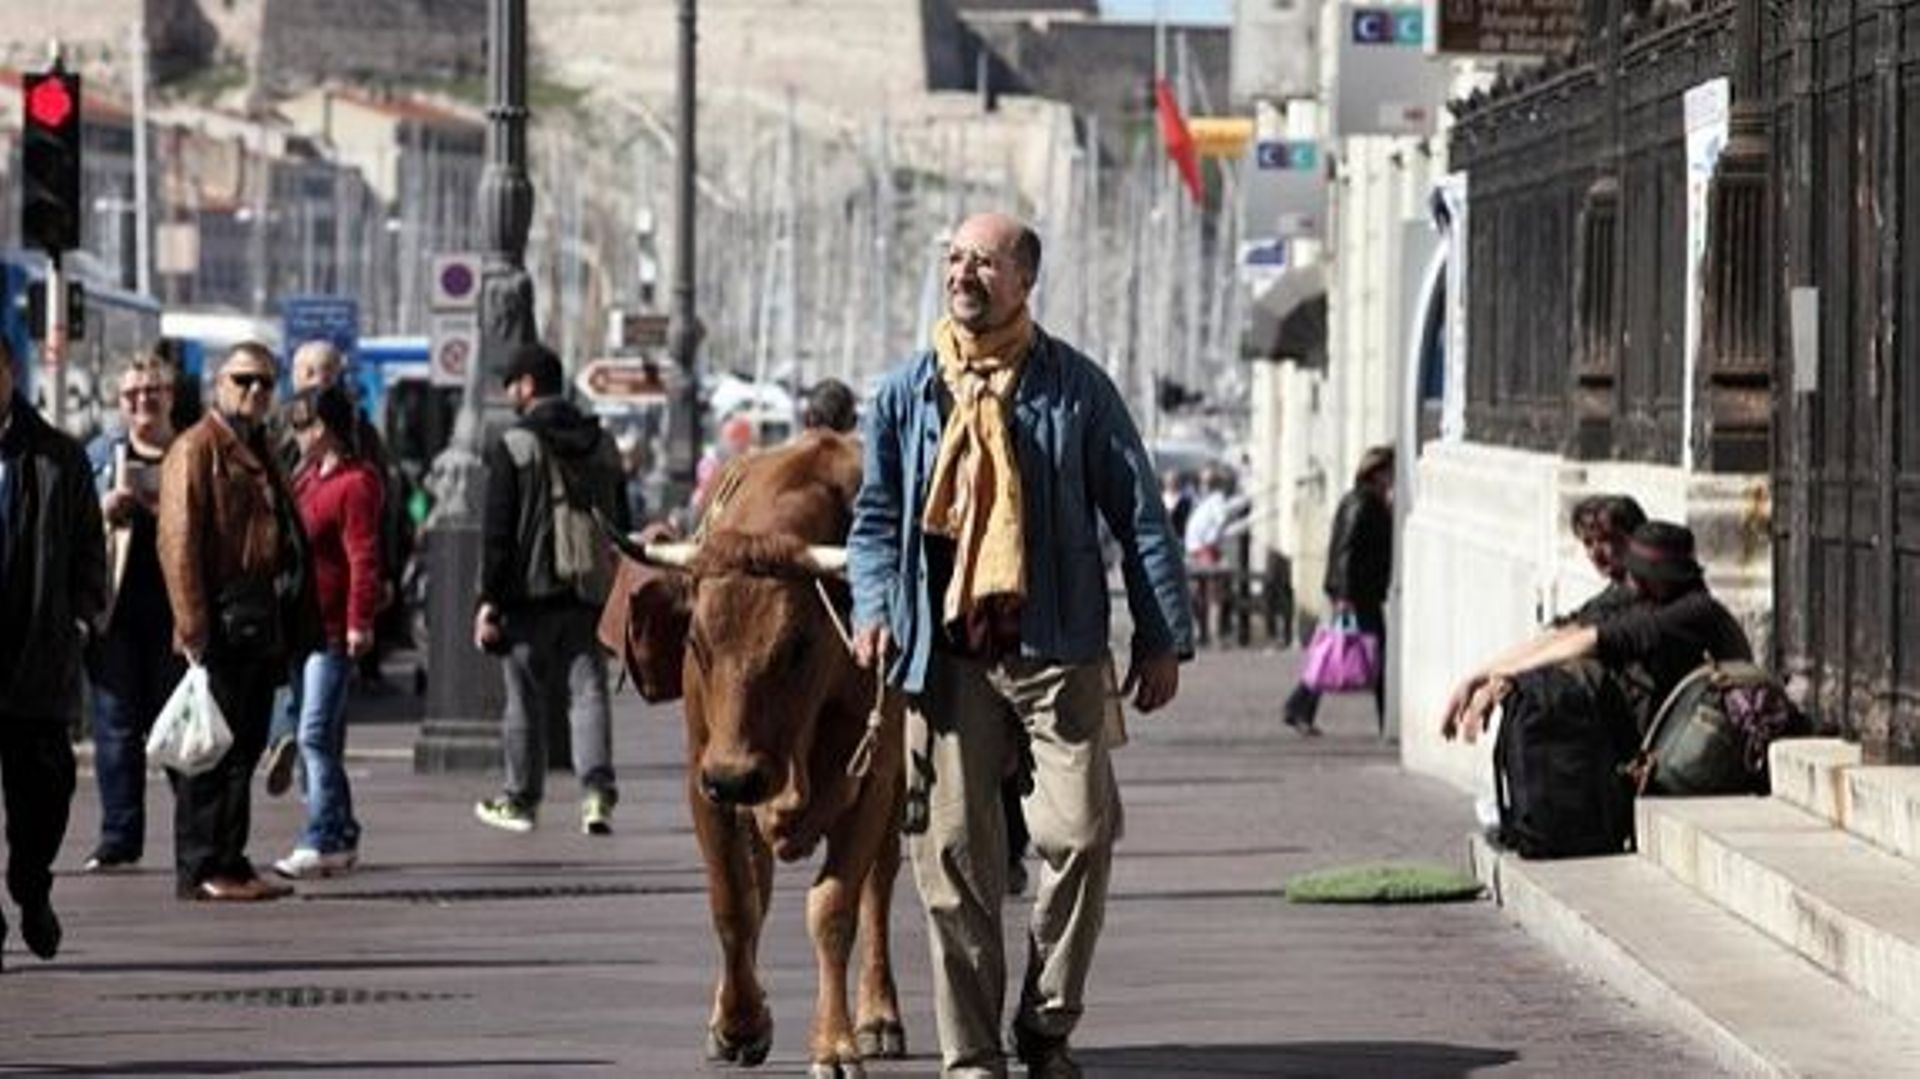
{"x": 459, "y": 950}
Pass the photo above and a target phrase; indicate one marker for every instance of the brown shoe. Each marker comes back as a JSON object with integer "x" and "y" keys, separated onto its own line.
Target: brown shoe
{"x": 250, "y": 890}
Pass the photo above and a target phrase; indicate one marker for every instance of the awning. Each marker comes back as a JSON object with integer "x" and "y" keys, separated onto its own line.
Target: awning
{"x": 1289, "y": 318}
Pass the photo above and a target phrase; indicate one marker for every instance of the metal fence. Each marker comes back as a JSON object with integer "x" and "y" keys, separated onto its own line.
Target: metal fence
{"x": 1578, "y": 309}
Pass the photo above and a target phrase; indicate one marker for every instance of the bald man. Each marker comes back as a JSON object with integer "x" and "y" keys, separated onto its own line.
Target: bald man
{"x": 992, "y": 458}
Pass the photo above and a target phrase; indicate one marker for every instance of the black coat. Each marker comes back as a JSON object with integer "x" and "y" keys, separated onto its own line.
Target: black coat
{"x": 1360, "y": 553}
{"x": 54, "y": 591}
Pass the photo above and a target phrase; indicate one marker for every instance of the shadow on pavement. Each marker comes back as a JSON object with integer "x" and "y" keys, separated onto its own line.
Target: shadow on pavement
{"x": 248, "y": 1067}
{"x": 1298, "y": 1060}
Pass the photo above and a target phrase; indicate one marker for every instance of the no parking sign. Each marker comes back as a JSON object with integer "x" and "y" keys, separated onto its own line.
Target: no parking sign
{"x": 455, "y": 345}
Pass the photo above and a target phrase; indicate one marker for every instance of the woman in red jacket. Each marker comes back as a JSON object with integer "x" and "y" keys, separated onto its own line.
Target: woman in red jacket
{"x": 339, "y": 497}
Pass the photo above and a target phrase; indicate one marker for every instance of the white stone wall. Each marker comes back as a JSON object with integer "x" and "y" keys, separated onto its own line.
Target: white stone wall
{"x": 1487, "y": 558}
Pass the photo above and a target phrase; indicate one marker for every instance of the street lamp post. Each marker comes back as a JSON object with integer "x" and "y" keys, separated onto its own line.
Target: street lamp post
{"x": 683, "y": 325}
{"x": 460, "y": 731}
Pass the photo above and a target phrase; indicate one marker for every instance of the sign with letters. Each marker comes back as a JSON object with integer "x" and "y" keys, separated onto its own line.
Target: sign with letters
{"x": 1509, "y": 27}
{"x": 1385, "y": 81}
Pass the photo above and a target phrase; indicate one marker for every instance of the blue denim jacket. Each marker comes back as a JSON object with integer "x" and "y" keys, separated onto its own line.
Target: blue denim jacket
{"x": 1079, "y": 456}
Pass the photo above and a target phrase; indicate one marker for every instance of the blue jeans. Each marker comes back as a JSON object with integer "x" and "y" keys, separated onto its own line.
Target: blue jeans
{"x": 123, "y": 713}
{"x": 322, "y": 704}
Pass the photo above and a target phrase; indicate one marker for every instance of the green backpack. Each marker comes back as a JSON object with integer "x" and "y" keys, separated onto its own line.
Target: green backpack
{"x": 1711, "y": 734}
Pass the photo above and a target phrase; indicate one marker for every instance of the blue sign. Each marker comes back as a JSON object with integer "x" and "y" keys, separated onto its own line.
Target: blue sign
{"x": 321, "y": 318}
{"x": 1297, "y": 156}
{"x": 1389, "y": 26}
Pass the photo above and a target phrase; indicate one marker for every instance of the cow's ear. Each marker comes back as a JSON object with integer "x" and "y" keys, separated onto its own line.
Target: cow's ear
{"x": 660, "y": 615}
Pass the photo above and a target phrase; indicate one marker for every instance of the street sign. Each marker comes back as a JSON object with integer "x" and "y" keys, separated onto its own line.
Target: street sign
{"x": 1385, "y": 83}
{"x": 456, "y": 282}
{"x": 621, "y": 380}
{"x": 453, "y": 345}
{"x": 320, "y": 318}
{"x": 1507, "y": 27}
{"x": 1284, "y": 189}
{"x": 634, "y": 330}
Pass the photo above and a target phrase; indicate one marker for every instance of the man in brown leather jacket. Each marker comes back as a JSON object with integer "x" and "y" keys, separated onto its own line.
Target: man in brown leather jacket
{"x": 235, "y": 565}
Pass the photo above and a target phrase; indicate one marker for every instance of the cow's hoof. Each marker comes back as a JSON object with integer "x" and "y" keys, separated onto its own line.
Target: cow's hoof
{"x": 837, "y": 1069}
{"x": 747, "y": 1054}
{"x": 882, "y": 1041}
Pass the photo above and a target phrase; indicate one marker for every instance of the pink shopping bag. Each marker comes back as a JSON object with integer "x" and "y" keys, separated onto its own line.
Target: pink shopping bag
{"x": 1341, "y": 658}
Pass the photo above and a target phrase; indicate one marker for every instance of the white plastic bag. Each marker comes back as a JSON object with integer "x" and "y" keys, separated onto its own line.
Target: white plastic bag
{"x": 190, "y": 735}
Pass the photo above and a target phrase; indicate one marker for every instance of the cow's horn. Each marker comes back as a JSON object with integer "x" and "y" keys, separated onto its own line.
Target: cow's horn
{"x": 829, "y": 560}
{"x": 668, "y": 555}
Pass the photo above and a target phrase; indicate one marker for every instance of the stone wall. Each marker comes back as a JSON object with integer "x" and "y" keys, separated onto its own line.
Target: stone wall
{"x": 305, "y": 41}
{"x": 848, "y": 56}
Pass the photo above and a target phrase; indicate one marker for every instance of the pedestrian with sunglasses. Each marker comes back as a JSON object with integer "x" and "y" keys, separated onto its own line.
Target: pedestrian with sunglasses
{"x": 133, "y": 667}
{"x": 234, "y": 556}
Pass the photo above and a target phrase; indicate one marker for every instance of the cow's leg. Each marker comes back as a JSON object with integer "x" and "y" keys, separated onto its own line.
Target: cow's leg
{"x": 878, "y": 1030}
{"x": 833, "y": 903}
{"x": 741, "y": 1030}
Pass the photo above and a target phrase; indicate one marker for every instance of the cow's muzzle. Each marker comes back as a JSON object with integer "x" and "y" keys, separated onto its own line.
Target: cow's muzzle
{"x": 745, "y": 787}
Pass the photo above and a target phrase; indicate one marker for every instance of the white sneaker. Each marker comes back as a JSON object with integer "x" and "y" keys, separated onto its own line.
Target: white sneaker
{"x": 306, "y": 863}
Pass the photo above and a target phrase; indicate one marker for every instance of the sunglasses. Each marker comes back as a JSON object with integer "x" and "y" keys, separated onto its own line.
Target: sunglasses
{"x": 251, "y": 382}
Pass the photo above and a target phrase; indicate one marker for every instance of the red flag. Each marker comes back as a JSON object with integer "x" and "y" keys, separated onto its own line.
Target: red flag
{"x": 1173, "y": 132}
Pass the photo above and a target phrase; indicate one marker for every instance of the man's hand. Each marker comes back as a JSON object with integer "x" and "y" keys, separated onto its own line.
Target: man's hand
{"x": 1152, "y": 680}
{"x": 193, "y": 651}
{"x": 486, "y": 627}
{"x": 360, "y": 642}
{"x": 1489, "y": 695}
{"x": 1457, "y": 704}
{"x": 870, "y": 645}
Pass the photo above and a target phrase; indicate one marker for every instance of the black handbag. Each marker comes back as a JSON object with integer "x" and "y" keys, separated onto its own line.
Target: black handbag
{"x": 247, "y": 621}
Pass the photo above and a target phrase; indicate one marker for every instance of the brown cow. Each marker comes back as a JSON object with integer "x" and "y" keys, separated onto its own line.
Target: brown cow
{"x": 775, "y": 708}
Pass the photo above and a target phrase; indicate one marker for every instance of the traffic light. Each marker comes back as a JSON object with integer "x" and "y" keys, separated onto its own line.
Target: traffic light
{"x": 50, "y": 161}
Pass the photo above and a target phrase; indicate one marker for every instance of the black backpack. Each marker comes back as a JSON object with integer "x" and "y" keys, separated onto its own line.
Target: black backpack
{"x": 1566, "y": 734}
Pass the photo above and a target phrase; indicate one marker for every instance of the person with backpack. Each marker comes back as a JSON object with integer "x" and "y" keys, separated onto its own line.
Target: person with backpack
{"x": 545, "y": 571}
{"x": 1576, "y": 702}
{"x": 1604, "y": 525}
{"x": 1677, "y": 625}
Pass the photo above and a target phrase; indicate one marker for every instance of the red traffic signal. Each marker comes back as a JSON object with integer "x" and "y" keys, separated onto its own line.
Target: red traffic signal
{"x": 50, "y": 161}
{"x": 50, "y": 100}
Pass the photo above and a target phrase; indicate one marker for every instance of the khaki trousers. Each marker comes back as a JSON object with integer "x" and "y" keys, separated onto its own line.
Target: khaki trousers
{"x": 966, "y": 726}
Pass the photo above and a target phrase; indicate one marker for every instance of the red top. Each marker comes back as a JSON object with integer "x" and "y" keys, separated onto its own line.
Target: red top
{"x": 341, "y": 512}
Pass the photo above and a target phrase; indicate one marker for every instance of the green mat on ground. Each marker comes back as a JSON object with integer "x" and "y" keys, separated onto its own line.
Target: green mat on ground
{"x": 1383, "y": 884}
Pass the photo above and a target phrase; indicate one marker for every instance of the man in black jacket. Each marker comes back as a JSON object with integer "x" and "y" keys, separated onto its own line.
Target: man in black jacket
{"x": 53, "y": 588}
{"x": 1359, "y": 568}
{"x": 537, "y": 607}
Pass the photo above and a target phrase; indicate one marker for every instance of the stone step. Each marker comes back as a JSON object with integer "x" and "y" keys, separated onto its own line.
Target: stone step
{"x": 1847, "y": 906}
{"x": 1761, "y": 1009}
{"x": 1878, "y": 803}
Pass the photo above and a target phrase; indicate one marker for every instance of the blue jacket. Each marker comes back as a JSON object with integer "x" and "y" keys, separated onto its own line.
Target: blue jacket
{"x": 1081, "y": 460}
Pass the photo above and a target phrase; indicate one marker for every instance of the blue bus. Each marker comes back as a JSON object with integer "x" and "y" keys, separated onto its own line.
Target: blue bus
{"x": 119, "y": 324}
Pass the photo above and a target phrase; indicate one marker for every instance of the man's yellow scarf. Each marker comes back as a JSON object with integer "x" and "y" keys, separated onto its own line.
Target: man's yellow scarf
{"x": 975, "y": 500}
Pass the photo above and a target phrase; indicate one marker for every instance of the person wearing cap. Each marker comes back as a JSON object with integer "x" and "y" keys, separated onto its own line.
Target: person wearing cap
{"x": 539, "y": 621}
{"x": 1359, "y": 568}
{"x": 339, "y": 497}
{"x": 1677, "y": 624}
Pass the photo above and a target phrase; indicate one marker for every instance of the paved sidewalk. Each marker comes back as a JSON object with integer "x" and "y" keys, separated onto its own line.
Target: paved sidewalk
{"x": 464, "y": 951}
